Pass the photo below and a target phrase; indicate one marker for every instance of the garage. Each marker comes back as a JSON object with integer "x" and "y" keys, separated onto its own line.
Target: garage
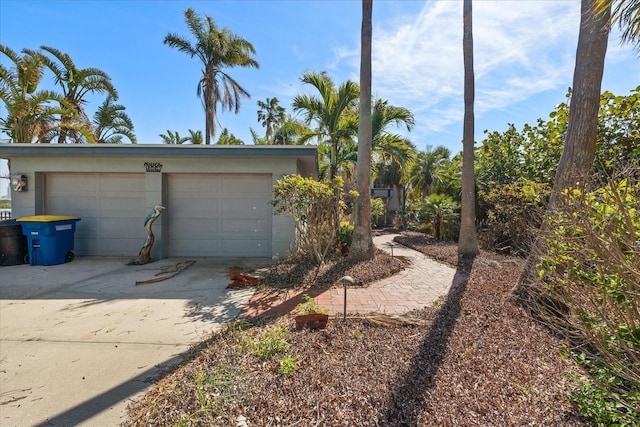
{"x": 217, "y": 196}
{"x": 219, "y": 215}
{"x": 111, "y": 208}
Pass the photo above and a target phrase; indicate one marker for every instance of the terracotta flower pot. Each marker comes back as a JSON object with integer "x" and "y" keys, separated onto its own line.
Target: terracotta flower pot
{"x": 312, "y": 321}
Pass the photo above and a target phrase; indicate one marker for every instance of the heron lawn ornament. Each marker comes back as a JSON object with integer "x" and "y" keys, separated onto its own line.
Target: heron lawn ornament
{"x": 144, "y": 257}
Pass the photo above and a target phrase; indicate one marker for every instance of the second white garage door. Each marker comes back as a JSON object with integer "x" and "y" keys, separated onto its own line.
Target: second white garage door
{"x": 220, "y": 215}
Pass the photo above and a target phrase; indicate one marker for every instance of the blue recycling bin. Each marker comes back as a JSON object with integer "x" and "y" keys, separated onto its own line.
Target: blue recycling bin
{"x": 49, "y": 238}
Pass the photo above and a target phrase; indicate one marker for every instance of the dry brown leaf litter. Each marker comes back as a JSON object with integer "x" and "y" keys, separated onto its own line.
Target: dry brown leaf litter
{"x": 477, "y": 361}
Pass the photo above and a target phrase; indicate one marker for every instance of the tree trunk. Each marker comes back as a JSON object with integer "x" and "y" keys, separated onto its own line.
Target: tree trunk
{"x": 578, "y": 153}
{"x": 468, "y": 240}
{"x": 362, "y": 245}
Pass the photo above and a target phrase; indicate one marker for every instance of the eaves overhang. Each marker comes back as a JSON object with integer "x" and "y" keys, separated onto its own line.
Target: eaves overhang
{"x": 306, "y": 155}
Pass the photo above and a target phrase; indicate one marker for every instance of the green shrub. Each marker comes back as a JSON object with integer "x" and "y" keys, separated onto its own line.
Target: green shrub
{"x": 288, "y": 365}
{"x": 271, "y": 342}
{"x": 309, "y": 306}
{"x": 377, "y": 211}
{"x": 598, "y": 398}
{"x": 315, "y": 208}
{"x": 591, "y": 274}
{"x": 509, "y": 215}
{"x": 345, "y": 234}
{"x": 439, "y": 211}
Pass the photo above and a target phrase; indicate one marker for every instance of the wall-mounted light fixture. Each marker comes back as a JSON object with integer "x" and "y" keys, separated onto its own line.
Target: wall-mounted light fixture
{"x": 19, "y": 182}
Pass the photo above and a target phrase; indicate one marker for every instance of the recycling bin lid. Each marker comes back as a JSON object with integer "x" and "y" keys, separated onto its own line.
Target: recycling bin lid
{"x": 47, "y": 218}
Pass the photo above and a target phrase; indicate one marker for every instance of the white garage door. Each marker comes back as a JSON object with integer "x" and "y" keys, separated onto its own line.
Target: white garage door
{"x": 219, "y": 215}
{"x": 111, "y": 208}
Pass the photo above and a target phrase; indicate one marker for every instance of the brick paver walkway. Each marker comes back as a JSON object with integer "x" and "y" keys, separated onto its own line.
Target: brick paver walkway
{"x": 417, "y": 286}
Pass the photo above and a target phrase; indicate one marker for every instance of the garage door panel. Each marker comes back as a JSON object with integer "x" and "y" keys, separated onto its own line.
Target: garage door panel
{"x": 114, "y": 184}
{"x": 246, "y": 208}
{"x": 111, "y": 208}
{"x": 64, "y": 182}
{"x": 117, "y": 228}
{"x": 256, "y": 184}
{"x": 195, "y": 247}
{"x": 198, "y": 230}
{"x": 196, "y": 183}
{"x": 121, "y": 207}
{"x": 194, "y": 207}
{"x": 77, "y": 206}
{"x": 249, "y": 228}
{"x": 236, "y": 247}
{"x": 219, "y": 215}
{"x": 86, "y": 228}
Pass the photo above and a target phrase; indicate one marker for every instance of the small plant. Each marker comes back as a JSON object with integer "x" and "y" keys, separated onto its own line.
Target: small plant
{"x": 345, "y": 234}
{"x": 309, "y": 306}
{"x": 270, "y": 343}
{"x": 357, "y": 333}
{"x": 377, "y": 211}
{"x": 605, "y": 397}
{"x": 288, "y": 365}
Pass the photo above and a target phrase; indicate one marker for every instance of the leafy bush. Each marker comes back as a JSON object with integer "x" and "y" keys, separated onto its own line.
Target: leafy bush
{"x": 377, "y": 210}
{"x": 313, "y": 205}
{"x": 400, "y": 220}
{"x": 438, "y": 211}
{"x": 309, "y": 306}
{"x": 288, "y": 365}
{"x": 270, "y": 343}
{"x": 592, "y": 276}
{"x": 597, "y": 399}
{"x": 510, "y": 214}
{"x": 345, "y": 234}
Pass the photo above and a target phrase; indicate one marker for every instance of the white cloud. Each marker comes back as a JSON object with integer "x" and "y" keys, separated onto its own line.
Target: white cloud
{"x": 521, "y": 48}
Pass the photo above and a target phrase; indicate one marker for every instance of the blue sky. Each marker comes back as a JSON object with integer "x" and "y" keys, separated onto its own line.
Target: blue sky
{"x": 524, "y": 57}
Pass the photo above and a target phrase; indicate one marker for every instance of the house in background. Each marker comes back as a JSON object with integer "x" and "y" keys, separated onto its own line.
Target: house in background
{"x": 217, "y": 197}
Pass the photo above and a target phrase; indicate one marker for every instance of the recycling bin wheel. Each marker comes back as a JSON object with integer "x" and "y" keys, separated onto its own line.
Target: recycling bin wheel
{"x": 69, "y": 257}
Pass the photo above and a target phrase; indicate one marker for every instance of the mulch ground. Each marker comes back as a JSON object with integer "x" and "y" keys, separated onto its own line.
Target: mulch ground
{"x": 474, "y": 359}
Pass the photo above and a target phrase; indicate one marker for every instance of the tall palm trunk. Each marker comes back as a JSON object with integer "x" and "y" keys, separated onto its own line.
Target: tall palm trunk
{"x": 362, "y": 244}
{"x": 582, "y": 128}
{"x": 578, "y": 153}
{"x": 209, "y": 109}
{"x": 468, "y": 240}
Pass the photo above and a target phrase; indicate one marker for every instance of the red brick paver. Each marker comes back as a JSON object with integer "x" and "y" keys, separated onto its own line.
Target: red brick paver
{"x": 417, "y": 286}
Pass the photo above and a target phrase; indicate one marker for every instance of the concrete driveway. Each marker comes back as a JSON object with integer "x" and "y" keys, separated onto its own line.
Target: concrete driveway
{"x": 79, "y": 341}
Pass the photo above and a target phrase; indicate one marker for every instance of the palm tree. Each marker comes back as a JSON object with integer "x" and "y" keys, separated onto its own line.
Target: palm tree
{"x": 391, "y": 152}
{"x": 270, "y": 115}
{"x": 468, "y": 240}
{"x": 173, "y": 138}
{"x": 582, "y": 128}
{"x": 76, "y": 84}
{"x": 387, "y": 146}
{"x": 439, "y": 210}
{"x": 216, "y": 49}
{"x": 29, "y": 110}
{"x": 330, "y": 112}
{"x": 288, "y": 132}
{"x": 227, "y": 138}
{"x": 421, "y": 172}
{"x": 627, "y": 14}
{"x": 362, "y": 244}
{"x": 111, "y": 123}
{"x": 195, "y": 137}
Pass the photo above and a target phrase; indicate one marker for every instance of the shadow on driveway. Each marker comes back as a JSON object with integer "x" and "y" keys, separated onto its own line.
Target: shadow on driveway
{"x": 78, "y": 341}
